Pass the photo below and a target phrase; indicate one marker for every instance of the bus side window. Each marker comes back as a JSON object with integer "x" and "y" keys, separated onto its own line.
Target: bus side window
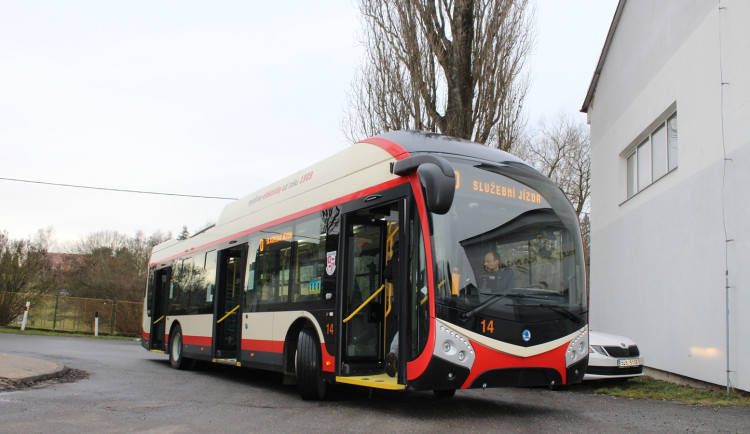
{"x": 252, "y": 292}
{"x": 310, "y": 259}
{"x": 272, "y": 265}
{"x": 150, "y": 291}
{"x": 179, "y": 292}
{"x": 203, "y": 300}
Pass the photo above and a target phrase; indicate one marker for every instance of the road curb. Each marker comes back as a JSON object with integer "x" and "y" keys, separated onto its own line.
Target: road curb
{"x": 37, "y": 378}
{"x": 19, "y": 370}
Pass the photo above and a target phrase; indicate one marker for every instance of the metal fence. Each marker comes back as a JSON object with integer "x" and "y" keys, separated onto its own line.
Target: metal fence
{"x": 74, "y": 314}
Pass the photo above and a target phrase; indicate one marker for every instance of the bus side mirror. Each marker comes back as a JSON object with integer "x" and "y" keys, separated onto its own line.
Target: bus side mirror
{"x": 436, "y": 177}
{"x": 437, "y": 187}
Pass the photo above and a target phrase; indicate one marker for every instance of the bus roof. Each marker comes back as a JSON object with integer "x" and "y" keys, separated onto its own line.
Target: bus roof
{"x": 363, "y": 165}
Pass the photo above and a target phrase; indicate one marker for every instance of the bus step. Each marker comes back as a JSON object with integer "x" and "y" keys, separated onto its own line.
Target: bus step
{"x": 362, "y": 368}
{"x": 226, "y": 354}
{"x": 230, "y": 362}
{"x": 381, "y": 381}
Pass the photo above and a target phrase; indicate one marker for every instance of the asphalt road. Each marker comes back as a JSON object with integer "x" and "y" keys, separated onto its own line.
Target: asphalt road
{"x": 129, "y": 389}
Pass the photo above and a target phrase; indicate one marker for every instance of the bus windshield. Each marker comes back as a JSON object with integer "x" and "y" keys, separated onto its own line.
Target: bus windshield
{"x": 509, "y": 249}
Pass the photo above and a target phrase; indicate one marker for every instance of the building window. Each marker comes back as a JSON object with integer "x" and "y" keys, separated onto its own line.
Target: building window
{"x": 654, "y": 157}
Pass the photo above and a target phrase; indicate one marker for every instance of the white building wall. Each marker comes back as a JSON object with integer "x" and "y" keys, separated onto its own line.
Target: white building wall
{"x": 658, "y": 259}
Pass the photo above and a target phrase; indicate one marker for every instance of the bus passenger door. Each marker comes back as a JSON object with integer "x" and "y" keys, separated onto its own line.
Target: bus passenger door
{"x": 159, "y": 309}
{"x": 368, "y": 311}
{"x": 231, "y": 275}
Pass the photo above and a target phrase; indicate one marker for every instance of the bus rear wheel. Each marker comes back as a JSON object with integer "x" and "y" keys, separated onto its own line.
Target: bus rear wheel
{"x": 175, "y": 351}
{"x": 308, "y": 366}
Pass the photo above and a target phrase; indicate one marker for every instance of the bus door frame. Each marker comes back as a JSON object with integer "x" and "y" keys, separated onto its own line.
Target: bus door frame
{"x": 401, "y": 194}
{"x": 220, "y": 300}
{"x": 159, "y": 304}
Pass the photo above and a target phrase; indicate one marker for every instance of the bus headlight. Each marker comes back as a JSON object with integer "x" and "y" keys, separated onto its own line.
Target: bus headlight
{"x": 453, "y": 346}
{"x": 577, "y": 349}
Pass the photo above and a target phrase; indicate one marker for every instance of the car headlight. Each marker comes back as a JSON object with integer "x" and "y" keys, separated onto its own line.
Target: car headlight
{"x": 597, "y": 349}
{"x": 578, "y": 348}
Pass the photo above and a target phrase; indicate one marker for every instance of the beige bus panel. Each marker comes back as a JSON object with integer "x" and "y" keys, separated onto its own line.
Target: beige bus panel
{"x": 146, "y": 318}
{"x": 192, "y": 325}
{"x": 349, "y": 171}
{"x": 258, "y": 326}
{"x": 273, "y": 326}
{"x": 353, "y": 183}
{"x": 351, "y": 160}
{"x": 283, "y": 320}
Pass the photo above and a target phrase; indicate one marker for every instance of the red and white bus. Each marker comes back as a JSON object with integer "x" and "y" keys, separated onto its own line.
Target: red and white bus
{"x": 407, "y": 261}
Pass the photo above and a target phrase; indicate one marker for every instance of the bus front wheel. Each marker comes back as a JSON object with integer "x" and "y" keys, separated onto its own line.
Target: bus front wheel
{"x": 308, "y": 366}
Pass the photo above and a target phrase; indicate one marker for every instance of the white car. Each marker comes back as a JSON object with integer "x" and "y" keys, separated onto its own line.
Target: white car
{"x": 612, "y": 356}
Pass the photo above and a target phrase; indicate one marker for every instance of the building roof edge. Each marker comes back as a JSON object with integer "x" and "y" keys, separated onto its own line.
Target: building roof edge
{"x": 602, "y": 57}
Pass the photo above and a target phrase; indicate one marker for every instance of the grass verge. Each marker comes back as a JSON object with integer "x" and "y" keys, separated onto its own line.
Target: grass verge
{"x": 649, "y": 388}
{"x": 32, "y": 331}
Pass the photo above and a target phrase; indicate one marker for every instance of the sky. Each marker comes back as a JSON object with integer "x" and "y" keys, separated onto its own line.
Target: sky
{"x": 201, "y": 98}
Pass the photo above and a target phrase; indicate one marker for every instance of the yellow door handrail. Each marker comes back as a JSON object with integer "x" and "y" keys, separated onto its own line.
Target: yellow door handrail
{"x": 228, "y": 313}
{"x": 388, "y": 304}
{"x": 365, "y": 303}
{"x": 160, "y": 318}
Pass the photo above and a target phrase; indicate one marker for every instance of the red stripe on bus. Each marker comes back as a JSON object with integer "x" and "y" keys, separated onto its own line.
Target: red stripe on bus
{"x": 343, "y": 199}
{"x": 488, "y": 359}
{"x": 145, "y": 335}
{"x": 204, "y": 341}
{"x": 416, "y": 367}
{"x": 329, "y": 362}
{"x": 263, "y": 345}
{"x": 277, "y": 347}
{"x": 392, "y": 148}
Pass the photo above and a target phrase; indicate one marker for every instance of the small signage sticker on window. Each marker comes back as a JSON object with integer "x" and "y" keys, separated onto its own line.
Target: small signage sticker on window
{"x": 330, "y": 262}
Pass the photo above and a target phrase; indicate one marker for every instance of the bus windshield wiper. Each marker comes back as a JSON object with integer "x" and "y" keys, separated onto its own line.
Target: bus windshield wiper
{"x": 487, "y": 303}
{"x": 559, "y": 309}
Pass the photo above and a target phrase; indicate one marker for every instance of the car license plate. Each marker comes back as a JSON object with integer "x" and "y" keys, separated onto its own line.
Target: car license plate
{"x": 625, "y": 363}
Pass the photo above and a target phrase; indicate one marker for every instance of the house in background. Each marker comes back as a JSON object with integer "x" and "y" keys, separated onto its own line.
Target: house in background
{"x": 64, "y": 261}
{"x": 669, "y": 111}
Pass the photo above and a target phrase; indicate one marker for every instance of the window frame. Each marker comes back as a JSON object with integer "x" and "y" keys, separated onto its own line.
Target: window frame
{"x": 643, "y": 150}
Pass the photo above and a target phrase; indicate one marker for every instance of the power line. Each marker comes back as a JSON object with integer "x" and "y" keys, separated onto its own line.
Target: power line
{"x": 120, "y": 190}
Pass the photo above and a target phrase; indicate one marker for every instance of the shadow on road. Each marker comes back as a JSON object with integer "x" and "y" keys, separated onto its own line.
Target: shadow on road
{"x": 420, "y": 405}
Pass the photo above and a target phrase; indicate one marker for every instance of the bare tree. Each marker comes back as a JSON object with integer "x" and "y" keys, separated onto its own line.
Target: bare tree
{"x": 24, "y": 274}
{"x": 560, "y": 150}
{"x": 114, "y": 265}
{"x": 449, "y": 66}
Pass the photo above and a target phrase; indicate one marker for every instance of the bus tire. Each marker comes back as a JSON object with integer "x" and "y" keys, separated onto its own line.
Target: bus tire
{"x": 308, "y": 366}
{"x": 175, "y": 350}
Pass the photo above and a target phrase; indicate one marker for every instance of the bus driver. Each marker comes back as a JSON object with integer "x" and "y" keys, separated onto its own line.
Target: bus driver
{"x": 497, "y": 280}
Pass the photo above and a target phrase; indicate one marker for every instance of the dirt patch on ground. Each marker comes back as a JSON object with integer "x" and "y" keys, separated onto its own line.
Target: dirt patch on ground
{"x": 67, "y": 376}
